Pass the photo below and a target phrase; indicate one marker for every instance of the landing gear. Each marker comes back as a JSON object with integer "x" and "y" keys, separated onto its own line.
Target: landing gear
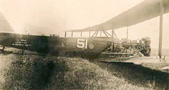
{"x": 3, "y": 49}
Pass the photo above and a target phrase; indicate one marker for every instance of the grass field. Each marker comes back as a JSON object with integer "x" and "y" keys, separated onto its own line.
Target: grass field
{"x": 57, "y": 73}
{"x": 35, "y": 71}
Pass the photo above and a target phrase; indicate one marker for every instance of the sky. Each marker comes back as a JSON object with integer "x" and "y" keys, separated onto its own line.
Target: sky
{"x": 55, "y": 16}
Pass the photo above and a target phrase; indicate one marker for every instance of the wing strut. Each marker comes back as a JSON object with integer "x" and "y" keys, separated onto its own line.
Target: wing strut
{"x": 161, "y": 28}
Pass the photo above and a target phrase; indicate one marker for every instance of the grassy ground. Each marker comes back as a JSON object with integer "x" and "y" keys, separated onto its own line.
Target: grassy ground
{"x": 155, "y": 66}
{"x": 49, "y": 72}
{"x": 138, "y": 75}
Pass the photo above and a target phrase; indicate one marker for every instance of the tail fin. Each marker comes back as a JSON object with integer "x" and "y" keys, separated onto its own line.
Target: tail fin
{"x": 4, "y": 25}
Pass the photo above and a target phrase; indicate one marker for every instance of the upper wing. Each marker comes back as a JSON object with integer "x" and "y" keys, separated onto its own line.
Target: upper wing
{"x": 144, "y": 11}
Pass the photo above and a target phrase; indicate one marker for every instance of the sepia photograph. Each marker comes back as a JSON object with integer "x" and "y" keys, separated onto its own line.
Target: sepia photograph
{"x": 84, "y": 44}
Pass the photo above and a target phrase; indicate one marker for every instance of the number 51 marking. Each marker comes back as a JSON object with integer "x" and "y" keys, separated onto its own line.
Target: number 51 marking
{"x": 82, "y": 43}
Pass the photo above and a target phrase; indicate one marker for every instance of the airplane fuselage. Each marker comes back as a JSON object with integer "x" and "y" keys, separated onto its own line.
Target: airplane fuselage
{"x": 69, "y": 46}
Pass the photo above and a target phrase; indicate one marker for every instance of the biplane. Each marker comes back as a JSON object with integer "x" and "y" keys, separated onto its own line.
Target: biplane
{"x": 93, "y": 45}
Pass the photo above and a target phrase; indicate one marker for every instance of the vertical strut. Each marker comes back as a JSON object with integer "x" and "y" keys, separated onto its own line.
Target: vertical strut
{"x": 65, "y": 34}
{"x": 160, "y": 29}
{"x": 81, "y": 34}
{"x": 127, "y": 33}
{"x": 72, "y": 34}
{"x": 89, "y": 33}
{"x": 112, "y": 35}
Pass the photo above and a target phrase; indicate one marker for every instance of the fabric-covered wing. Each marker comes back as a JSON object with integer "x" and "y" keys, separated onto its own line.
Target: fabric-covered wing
{"x": 144, "y": 11}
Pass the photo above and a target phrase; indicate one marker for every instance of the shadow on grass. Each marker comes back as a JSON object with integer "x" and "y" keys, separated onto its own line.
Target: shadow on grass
{"x": 138, "y": 75}
{"x": 41, "y": 74}
{"x": 34, "y": 74}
